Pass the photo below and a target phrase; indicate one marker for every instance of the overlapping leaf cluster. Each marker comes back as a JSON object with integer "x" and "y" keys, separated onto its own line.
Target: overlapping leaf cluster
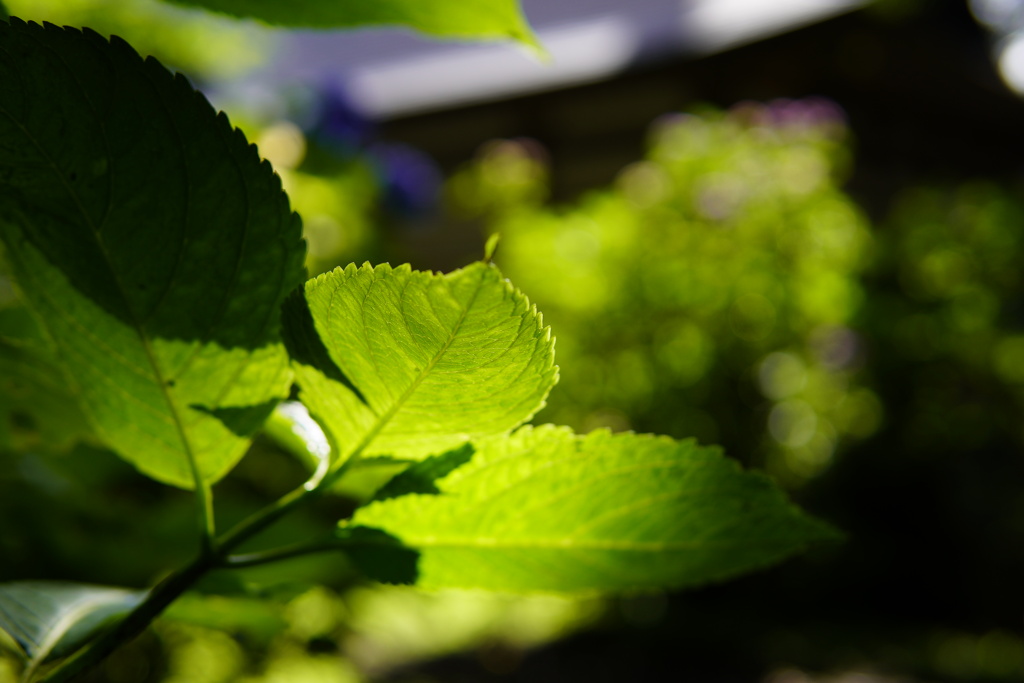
{"x": 161, "y": 263}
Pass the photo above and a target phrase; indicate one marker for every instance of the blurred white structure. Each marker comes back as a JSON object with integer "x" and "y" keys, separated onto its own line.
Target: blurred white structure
{"x": 1005, "y": 19}
{"x": 390, "y": 73}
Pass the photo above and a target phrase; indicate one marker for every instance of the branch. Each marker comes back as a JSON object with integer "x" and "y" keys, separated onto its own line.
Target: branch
{"x": 264, "y": 557}
{"x": 214, "y": 554}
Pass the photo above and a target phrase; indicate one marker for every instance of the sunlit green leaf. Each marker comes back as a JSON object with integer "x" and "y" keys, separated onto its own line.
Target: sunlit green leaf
{"x": 367, "y": 475}
{"x": 455, "y": 18}
{"x": 546, "y": 510}
{"x": 52, "y": 619}
{"x": 151, "y": 242}
{"x": 405, "y": 363}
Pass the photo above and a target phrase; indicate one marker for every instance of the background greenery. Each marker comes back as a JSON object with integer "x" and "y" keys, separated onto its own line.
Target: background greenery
{"x": 868, "y": 353}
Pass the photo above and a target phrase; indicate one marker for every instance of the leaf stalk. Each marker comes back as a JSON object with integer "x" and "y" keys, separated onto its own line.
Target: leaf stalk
{"x": 287, "y": 552}
{"x": 215, "y": 553}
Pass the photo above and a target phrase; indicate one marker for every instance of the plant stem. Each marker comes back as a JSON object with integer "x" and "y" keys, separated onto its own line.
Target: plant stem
{"x": 134, "y": 623}
{"x": 215, "y": 553}
{"x": 170, "y": 589}
{"x": 259, "y": 521}
{"x": 262, "y": 519}
{"x": 208, "y": 527}
{"x": 289, "y": 551}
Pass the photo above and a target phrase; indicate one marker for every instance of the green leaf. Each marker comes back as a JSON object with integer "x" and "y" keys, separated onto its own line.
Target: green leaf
{"x": 152, "y": 244}
{"x": 546, "y": 510}
{"x": 420, "y": 477}
{"x": 406, "y": 363}
{"x": 453, "y": 18}
{"x": 366, "y": 476}
{"x": 53, "y": 619}
{"x": 3, "y": 12}
{"x": 36, "y": 407}
{"x": 291, "y": 427}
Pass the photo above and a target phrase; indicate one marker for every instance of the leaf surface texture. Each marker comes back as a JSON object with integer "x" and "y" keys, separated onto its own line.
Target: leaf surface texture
{"x": 36, "y": 408}
{"x": 52, "y": 619}
{"x": 548, "y": 511}
{"x": 407, "y": 364}
{"x": 152, "y": 243}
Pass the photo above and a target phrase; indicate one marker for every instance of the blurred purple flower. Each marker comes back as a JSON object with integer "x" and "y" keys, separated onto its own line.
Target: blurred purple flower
{"x": 338, "y": 125}
{"x": 809, "y": 113}
{"x": 410, "y": 179}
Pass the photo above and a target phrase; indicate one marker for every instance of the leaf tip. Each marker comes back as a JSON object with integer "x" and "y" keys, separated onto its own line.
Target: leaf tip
{"x": 491, "y": 247}
{"x": 534, "y": 48}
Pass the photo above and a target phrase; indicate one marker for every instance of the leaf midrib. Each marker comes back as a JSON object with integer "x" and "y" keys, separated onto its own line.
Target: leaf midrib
{"x": 494, "y": 543}
{"x": 136, "y": 326}
{"x": 383, "y": 419}
{"x": 67, "y": 620}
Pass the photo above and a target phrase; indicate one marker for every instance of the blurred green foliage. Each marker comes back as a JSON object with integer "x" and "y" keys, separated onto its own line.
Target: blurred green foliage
{"x": 712, "y": 291}
{"x": 946, "y": 315}
{"x": 336, "y": 197}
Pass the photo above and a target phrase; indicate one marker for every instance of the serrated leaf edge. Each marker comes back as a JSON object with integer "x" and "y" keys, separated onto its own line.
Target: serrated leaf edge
{"x": 153, "y": 70}
{"x": 383, "y": 270}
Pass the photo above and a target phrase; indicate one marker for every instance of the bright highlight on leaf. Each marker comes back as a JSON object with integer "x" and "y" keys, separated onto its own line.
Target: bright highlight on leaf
{"x": 404, "y": 363}
{"x": 451, "y": 18}
{"x": 152, "y": 244}
{"x": 291, "y": 426}
{"x": 546, "y": 510}
{"x": 52, "y": 619}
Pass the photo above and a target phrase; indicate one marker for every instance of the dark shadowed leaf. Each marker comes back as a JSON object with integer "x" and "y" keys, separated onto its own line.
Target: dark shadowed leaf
{"x": 36, "y": 406}
{"x": 380, "y": 555}
{"x": 153, "y": 244}
{"x": 420, "y": 477}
